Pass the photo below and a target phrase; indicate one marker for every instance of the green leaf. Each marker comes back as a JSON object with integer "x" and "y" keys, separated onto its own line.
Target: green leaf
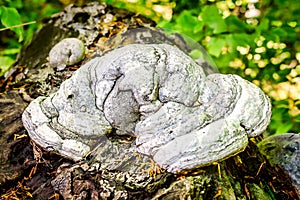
{"x": 291, "y": 34}
{"x": 188, "y": 24}
{"x": 279, "y": 31}
{"x": 242, "y": 39}
{"x": 5, "y": 63}
{"x": 15, "y": 4}
{"x": 39, "y": 1}
{"x": 195, "y": 54}
{"x": 223, "y": 62}
{"x": 186, "y": 19}
{"x": 215, "y": 45}
{"x": 10, "y": 17}
{"x": 198, "y": 27}
{"x": 213, "y": 19}
{"x": 263, "y": 25}
{"x": 234, "y": 24}
{"x": 10, "y": 51}
{"x": 283, "y": 34}
{"x": 284, "y": 128}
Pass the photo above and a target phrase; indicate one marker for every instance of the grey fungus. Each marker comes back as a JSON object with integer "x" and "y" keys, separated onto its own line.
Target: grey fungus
{"x": 68, "y": 51}
{"x": 178, "y": 115}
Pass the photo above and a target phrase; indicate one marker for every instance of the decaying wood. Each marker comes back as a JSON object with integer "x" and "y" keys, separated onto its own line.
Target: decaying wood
{"x": 27, "y": 171}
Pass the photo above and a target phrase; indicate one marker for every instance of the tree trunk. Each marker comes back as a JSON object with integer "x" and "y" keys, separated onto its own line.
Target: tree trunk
{"x": 29, "y": 172}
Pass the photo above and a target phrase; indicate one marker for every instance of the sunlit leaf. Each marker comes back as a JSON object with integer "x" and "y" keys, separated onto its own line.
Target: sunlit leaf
{"x": 213, "y": 19}
{"x": 215, "y": 45}
{"x": 283, "y": 128}
{"x": 188, "y": 24}
{"x": 10, "y": 51}
{"x": 9, "y": 18}
{"x": 5, "y": 63}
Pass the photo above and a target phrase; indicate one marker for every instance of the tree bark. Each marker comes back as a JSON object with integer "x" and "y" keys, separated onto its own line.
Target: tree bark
{"x": 29, "y": 172}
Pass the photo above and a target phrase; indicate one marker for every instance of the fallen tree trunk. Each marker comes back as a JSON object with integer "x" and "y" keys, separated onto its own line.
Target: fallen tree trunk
{"x": 27, "y": 171}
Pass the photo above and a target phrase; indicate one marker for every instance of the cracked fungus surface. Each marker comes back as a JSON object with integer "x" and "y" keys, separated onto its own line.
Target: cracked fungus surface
{"x": 177, "y": 115}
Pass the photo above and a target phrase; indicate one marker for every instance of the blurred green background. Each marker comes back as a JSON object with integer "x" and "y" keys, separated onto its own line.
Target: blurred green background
{"x": 256, "y": 39}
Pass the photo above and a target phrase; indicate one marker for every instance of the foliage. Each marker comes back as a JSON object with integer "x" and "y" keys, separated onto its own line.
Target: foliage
{"x": 263, "y": 49}
{"x": 19, "y": 20}
{"x": 258, "y": 40}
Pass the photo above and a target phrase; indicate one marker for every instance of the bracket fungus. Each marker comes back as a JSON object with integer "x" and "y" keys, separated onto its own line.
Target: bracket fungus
{"x": 69, "y": 51}
{"x": 177, "y": 115}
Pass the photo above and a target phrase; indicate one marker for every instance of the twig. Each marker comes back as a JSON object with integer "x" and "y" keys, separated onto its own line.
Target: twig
{"x": 17, "y": 26}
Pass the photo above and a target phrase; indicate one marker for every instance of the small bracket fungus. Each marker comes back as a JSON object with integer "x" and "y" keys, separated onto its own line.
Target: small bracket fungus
{"x": 69, "y": 51}
{"x": 179, "y": 116}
